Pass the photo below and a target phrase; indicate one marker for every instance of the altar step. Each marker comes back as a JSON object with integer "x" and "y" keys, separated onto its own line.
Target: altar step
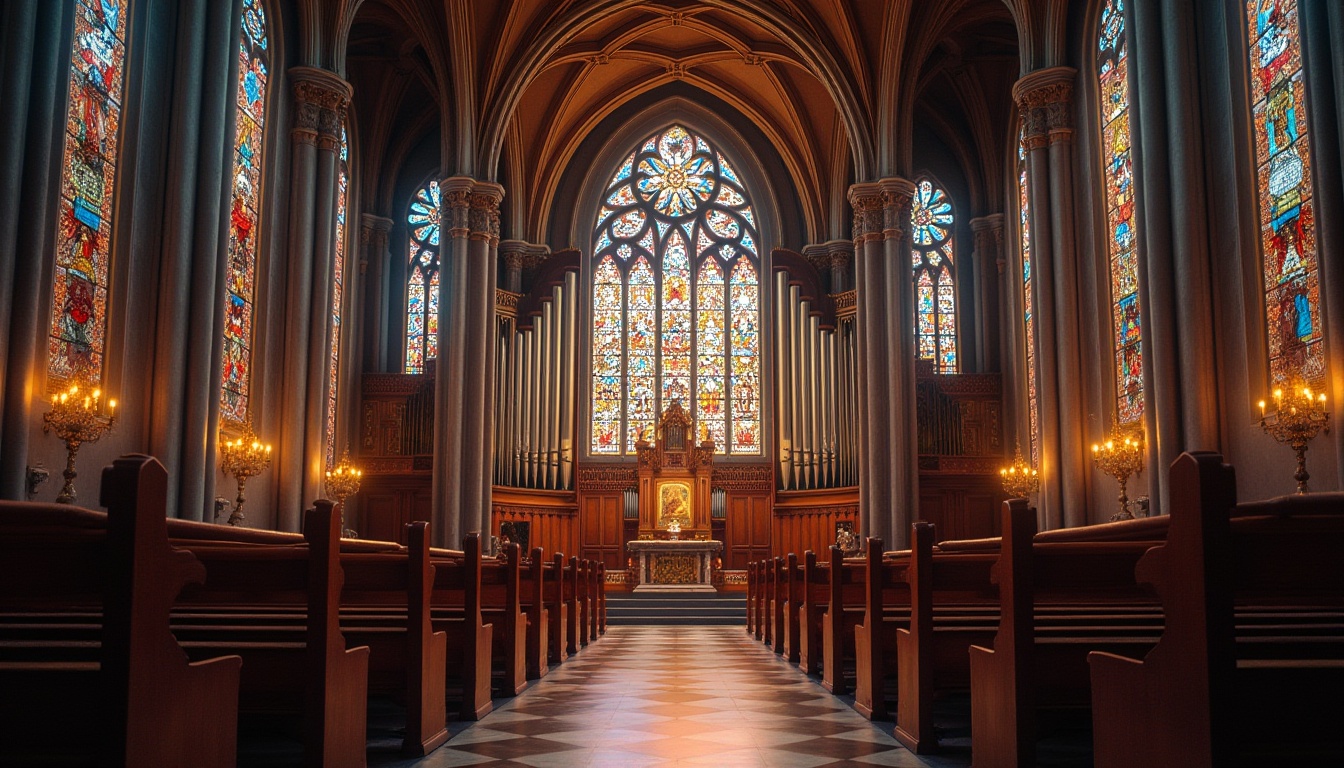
{"x": 679, "y": 608}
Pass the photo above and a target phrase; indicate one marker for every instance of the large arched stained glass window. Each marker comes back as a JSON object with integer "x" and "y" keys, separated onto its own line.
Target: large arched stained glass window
{"x": 1283, "y": 169}
{"x": 254, "y": 60}
{"x": 931, "y": 222}
{"x": 422, "y": 279}
{"x": 337, "y": 293}
{"x": 1028, "y": 299}
{"x": 676, "y": 297}
{"x": 88, "y": 178}
{"x": 1121, "y": 227}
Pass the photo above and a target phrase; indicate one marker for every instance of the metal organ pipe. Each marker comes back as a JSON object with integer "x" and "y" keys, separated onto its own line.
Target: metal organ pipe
{"x": 784, "y": 383}
{"x": 568, "y": 372}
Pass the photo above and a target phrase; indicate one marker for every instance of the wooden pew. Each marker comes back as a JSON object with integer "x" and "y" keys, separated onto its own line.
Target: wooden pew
{"x": 791, "y": 585}
{"x": 557, "y": 610}
{"x": 456, "y": 610}
{"x": 574, "y": 600}
{"x": 1250, "y": 667}
{"x": 601, "y": 581}
{"x": 886, "y": 606}
{"x": 814, "y": 596}
{"x": 501, "y": 606}
{"x": 1058, "y": 601}
{"x": 385, "y": 604}
{"x": 585, "y": 598}
{"x": 285, "y": 624}
{"x": 779, "y": 597}
{"x": 117, "y": 690}
{"x": 848, "y": 588}
{"x": 532, "y": 594}
{"x": 752, "y": 588}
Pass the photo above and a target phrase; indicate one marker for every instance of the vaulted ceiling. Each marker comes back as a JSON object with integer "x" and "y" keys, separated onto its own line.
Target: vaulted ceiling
{"x": 509, "y": 89}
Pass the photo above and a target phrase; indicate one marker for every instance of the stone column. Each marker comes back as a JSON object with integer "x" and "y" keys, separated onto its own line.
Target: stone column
{"x": 889, "y": 468}
{"x": 520, "y": 257}
{"x": 320, "y": 101}
{"x": 1176, "y": 294}
{"x": 35, "y": 41}
{"x": 987, "y": 232}
{"x": 1045, "y": 98}
{"x": 465, "y": 374}
{"x": 834, "y": 257}
{"x": 375, "y": 296}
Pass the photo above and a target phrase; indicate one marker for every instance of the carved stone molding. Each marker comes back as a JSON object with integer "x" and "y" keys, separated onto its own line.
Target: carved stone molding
{"x": 758, "y": 478}
{"x": 896, "y": 196}
{"x": 1045, "y": 100}
{"x": 866, "y": 200}
{"x": 322, "y": 98}
{"x": 846, "y": 303}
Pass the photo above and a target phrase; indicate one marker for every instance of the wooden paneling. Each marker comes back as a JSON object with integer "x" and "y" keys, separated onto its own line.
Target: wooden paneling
{"x": 601, "y": 528}
{"x": 806, "y": 520}
{"x": 746, "y": 531}
{"x": 386, "y": 503}
{"x": 552, "y": 516}
{"x": 960, "y": 506}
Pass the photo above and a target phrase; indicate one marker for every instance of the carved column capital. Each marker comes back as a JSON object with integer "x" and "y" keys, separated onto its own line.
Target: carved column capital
{"x": 484, "y": 214}
{"x": 322, "y": 99}
{"x": 896, "y": 196}
{"x": 1045, "y": 99}
{"x": 866, "y": 200}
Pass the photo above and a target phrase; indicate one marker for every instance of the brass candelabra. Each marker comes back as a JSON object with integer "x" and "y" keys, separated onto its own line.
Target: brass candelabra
{"x": 1298, "y": 416}
{"x": 343, "y": 482}
{"x": 77, "y": 420}
{"x": 244, "y": 458}
{"x": 1120, "y": 457}
{"x": 1019, "y": 478}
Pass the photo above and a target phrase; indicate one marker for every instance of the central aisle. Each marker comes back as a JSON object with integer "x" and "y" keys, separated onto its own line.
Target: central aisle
{"x": 675, "y": 696}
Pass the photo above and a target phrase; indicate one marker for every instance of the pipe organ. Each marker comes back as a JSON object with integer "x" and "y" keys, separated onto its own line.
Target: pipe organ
{"x": 816, "y": 385}
{"x": 536, "y": 358}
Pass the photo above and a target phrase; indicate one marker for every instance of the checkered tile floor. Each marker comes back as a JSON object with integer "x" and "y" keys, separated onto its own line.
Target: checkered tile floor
{"x": 675, "y": 696}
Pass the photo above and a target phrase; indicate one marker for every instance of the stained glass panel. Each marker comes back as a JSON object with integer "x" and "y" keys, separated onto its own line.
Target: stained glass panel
{"x": 244, "y": 214}
{"x": 1283, "y": 169}
{"x": 663, "y": 331}
{"x": 1121, "y": 226}
{"x": 931, "y": 228}
{"x": 422, "y": 309}
{"x": 337, "y": 292}
{"x": 1028, "y": 298}
{"x": 84, "y": 231}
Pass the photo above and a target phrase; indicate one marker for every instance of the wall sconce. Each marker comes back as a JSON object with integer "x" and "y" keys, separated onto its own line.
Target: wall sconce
{"x": 243, "y": 458}
{"x": 77, "y": 420}
{"x": 1120, "y": 456}
{"x": 1298, "y": 416}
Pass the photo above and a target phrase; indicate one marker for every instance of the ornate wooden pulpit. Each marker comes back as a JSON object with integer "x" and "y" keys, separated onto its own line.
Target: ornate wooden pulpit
{"x": 674, "y": 474}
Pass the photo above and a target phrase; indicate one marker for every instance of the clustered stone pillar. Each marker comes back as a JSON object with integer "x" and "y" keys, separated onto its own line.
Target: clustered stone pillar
{"x": 1045, "y": 98}
{"x": 519, "y": 257}
{"x": 374, "y": 291}
{"x": 988, "y": 263}
{"x": 321, "y": 99}
{"x": 888, "y": 441}
{"x": 465, "y": 375}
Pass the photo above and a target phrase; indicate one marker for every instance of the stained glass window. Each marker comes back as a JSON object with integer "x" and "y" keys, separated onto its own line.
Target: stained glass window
{"x": 89, "y": 171}
{"x": 934, "y": 261}
{"x": 337, "y": 292}
{"x": 244, "y": 213}
{"x": 1121, "y": 226}
{"x": 1028, "y": 300}
{"x": 1283, "y": 170}
{"x": 676, "y": 297}
{"x": 422, "y": 284}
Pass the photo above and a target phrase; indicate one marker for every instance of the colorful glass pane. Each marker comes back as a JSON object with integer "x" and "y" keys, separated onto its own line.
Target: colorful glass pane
{"x": 254, "y": 62}
{"x": 1028, "y": 298}
{"x": 422, "y": 310}
{"x": 1283, "y": 169}
{"x": 88, "y": 179}
{"x": 931, "y": 227}
{"x": 662, "y": 332}
{"x": 337, "y": 292}
{"x": 1121, "y": 226}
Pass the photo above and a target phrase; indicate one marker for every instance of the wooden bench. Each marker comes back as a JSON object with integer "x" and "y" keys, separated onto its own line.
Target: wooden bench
{"x": 789, "y": 642}
{"x": 532, "y": 593}
{"x": 848, "y": 588}
{"x": 813, "y": 593}
{"x": 89, "y": 670}
{"x": 886, "y": 607}
{"x": 558, "y": 610}
{"x": 1250, "y": 667}
{"x": 1058, "y": 601}
{"x": 501, "y": 606}
{"x": 281, "y": 613}
{"x": 456, "y": 610}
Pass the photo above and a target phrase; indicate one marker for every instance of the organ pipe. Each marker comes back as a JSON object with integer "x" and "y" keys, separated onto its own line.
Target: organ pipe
{"x": 816, "y": 374}
{"x": 536, "y": 407}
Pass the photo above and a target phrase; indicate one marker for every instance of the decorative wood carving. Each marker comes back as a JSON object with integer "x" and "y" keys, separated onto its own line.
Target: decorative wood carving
{"x": 606, "y": 478}
{"x": 745, "y": 478}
